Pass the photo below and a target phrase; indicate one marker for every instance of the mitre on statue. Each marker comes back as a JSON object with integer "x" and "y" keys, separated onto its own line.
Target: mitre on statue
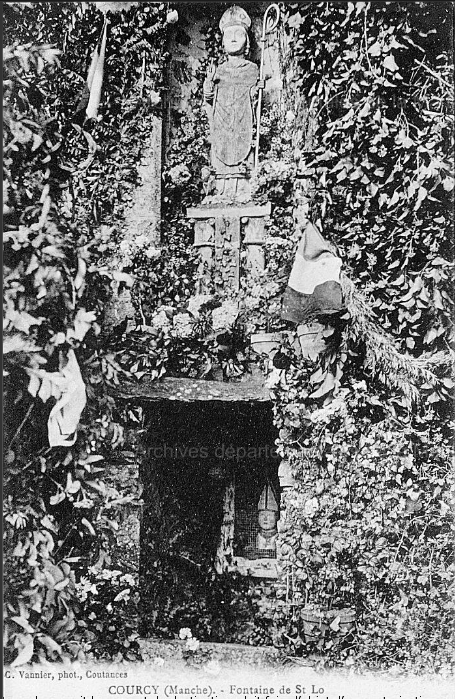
{"x": 267, "y": 518}
{"x": 235, "y": 16}
{"x": 267, "y": 501}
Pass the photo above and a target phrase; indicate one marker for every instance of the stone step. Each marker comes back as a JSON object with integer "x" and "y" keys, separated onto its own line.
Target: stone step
{"x": 227, "y": 654}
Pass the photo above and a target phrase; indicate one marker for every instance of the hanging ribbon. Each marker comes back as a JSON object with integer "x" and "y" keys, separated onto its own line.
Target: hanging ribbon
{"x": 89, "y": 100}
{"x": 95, "y": 77}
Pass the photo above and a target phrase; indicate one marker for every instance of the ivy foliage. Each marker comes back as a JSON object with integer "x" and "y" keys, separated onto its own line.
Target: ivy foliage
{"x": 378, "y": 80}
{"x": 368, "y": 433}
{"x": 66, "y": 184}
{"x": 367, "y": 524}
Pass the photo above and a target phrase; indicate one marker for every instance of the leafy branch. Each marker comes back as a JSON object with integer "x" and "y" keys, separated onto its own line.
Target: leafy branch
{"x": 397, "y": 370}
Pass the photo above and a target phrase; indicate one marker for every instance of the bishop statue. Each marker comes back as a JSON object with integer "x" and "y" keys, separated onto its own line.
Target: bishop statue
{"x": 230, "y": 92}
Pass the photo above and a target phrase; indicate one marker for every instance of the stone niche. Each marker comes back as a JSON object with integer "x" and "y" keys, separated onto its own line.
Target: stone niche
{"x": 204, "y": 473}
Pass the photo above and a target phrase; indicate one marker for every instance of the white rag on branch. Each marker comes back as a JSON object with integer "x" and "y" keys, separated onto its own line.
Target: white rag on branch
{"x": 68, "y": 388}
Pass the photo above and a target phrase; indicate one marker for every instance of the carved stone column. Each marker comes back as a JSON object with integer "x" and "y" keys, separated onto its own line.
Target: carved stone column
{"x": 227, "y": 252}
{"x": 204, "y": 240}
{"x": 254, "y": 244}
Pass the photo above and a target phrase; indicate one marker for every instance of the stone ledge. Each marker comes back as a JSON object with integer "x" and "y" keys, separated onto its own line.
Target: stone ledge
{"x": 226, "y": 653}
{"x": 229, "y": 211}
{"x": 187, "y": 390}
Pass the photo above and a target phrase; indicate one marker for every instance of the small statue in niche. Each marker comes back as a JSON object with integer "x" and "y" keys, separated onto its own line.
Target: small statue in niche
{"x": 230, "y": 92}
{"x": 268, "y": 515}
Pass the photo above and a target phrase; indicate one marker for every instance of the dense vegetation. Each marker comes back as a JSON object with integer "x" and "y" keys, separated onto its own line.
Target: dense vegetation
{"x": 375, "y": 462}
{"x": 367, "y": 432}
{"x": 66, "y": 183}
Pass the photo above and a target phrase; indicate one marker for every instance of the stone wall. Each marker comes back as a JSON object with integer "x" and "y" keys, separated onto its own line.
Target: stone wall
{"x": 123, "y": 477}
{"x": 142, "y": 218}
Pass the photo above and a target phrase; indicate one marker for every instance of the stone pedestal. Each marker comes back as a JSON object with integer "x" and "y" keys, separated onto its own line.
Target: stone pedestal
{"x": 230, "y": 241}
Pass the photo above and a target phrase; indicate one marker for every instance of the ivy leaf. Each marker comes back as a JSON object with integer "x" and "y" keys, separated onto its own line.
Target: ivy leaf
{"x": 448, "y": 184}
{"x": 422, "y": 194}
{"x": 25, "y": 654}
{"x": 57, "y": 498}
{"x": 88, "y": 525}
{"x": 390, "y": 64}
{"x": 50, "y": 644}
{"x": 328, "y": 385}
{"x": 430, "y": 336}
{"x": 295, "y": 20}
{"x": 24, "y": 623}
{"x": 375, "y": 49}
{"x": 437, "y": 300}
{"x": 416, "y": 287}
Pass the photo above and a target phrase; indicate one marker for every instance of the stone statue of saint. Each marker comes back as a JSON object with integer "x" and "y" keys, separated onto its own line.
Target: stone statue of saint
{"x": 229, "y": 93}
{"x": 268, "y": 515}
